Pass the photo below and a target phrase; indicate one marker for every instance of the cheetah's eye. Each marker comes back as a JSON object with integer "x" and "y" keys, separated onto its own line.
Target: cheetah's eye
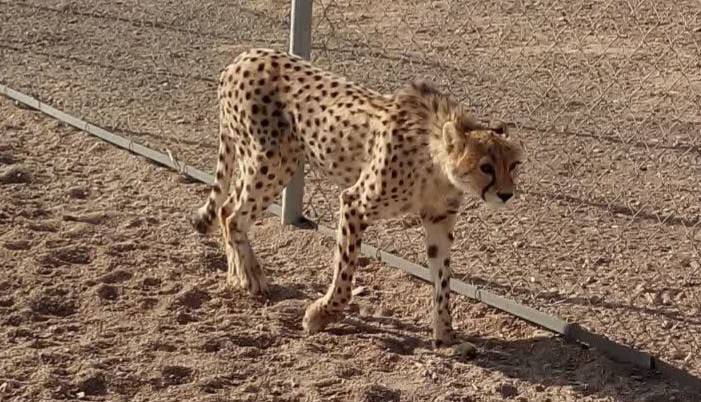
{"x": 486, "y": 168}
{"x": 513, "y": 166}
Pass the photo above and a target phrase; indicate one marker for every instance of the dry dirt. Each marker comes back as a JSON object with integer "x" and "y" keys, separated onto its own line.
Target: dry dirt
{"x": 607, "y": 231}
{"x": 109, "y": 295}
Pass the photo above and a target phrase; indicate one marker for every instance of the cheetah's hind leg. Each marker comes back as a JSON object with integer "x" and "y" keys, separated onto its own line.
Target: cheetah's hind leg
{"x": 203, "y": 219}
{"x": 261, "y": 183}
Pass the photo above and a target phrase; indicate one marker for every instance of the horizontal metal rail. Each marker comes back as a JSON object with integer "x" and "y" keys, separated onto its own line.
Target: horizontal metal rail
{"x": 570, "y": 331}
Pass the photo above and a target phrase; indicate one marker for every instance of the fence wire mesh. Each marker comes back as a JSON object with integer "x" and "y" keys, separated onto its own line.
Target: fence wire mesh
{"x": 605, "y": 96}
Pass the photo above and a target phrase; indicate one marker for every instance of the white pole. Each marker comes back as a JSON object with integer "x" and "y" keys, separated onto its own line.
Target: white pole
{"x": 301, "y": 45}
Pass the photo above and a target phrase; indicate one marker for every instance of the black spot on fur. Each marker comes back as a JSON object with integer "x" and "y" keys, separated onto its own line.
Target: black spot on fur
{"x": 432, "y": 251}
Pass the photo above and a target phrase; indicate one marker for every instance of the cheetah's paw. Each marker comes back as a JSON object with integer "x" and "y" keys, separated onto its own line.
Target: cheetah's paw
{"x": 317, "y": 317}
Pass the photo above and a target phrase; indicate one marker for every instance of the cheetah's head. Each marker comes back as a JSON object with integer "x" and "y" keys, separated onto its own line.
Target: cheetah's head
{"x": 482, "y": 160}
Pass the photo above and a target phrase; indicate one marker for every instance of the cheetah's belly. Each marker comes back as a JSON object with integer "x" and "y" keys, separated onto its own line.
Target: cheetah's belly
{"x": 338, "y": 167}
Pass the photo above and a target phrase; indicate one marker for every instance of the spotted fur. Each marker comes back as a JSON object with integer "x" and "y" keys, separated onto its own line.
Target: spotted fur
{"x": 412, "y": 151}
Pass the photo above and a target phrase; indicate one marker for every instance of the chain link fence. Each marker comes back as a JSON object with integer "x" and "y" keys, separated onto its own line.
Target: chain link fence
{"x": 605, "y": 96}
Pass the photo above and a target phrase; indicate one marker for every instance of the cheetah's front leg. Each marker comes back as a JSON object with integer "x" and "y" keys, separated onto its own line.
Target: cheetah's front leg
{"x": 439, "y": 239}
{"x": 328, "y": 308}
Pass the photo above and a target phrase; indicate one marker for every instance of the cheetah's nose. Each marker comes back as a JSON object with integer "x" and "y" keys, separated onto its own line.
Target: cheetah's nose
{"x": 505, "y": 196}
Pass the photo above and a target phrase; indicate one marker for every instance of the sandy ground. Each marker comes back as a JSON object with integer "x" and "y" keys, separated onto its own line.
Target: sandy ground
{"x": 607, "y": 231}
{"x": 109, "y": 295}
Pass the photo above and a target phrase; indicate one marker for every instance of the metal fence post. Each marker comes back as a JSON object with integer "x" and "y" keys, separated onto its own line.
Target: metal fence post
{"x": 301, "y": 45}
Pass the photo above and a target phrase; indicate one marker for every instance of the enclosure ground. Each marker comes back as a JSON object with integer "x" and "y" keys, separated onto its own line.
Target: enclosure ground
{"x": 109, "y": 295}
{"x": 607, "y": 229}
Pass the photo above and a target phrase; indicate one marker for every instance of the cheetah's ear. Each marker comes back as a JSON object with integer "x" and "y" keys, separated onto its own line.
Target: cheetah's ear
{"x": 454, "y": 141}
{"x": 424, "y": 87}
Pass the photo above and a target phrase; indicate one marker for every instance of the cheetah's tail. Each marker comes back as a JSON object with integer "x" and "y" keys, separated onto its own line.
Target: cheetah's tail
{"x": 203, "y": 218}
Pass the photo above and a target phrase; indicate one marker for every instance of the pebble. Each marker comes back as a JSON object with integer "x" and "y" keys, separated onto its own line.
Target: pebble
{"x": 465, "y": 350}
{"x": 15, "y": 175}
{"x": 78, "y": 192}
{"x": 507, "y": 391}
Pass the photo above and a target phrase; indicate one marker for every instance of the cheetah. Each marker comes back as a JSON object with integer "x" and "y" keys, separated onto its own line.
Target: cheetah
{"x": 414, "y": 151}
